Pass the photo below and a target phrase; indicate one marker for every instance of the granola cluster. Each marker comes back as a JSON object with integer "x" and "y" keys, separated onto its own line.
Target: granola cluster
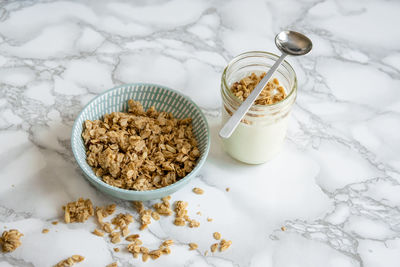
{"x": 140, "y": 150}
{"x": 122, "y": 221}
{"x": 224, "y": 245}
{"x": 70, "y": 261}
{"x": 136, "y": 249}
{"x": 103, "y": 212}
{"x": 9, "y": 240}
{"x": 181, "y": 216}
{"x": 145, "y": 214}
{"x": 78, "y": 211}
{"x": 272, "y": 93}
{"x": 163, "y": 208}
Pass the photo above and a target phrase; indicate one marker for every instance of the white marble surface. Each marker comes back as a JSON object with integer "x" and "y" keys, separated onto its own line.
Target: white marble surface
{"x": 335, "y": 186}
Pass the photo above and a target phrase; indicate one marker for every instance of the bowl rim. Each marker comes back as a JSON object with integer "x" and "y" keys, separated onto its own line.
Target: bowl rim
{"x": 171, "y": 187}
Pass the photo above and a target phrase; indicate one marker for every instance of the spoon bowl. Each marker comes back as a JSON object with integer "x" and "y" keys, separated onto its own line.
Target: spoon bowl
{"x": 293, "y": 43}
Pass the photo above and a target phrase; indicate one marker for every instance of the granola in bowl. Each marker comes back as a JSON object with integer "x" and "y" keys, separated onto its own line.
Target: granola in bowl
{"x": 140, "y": 150}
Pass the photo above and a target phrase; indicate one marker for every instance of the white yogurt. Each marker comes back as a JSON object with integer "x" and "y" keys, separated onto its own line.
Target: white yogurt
{"x": 260, "y": 137}
{"x": 255, "y": 143}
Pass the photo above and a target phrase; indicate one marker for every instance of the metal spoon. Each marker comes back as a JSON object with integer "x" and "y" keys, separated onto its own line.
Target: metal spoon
{"x": 289, "y": 43}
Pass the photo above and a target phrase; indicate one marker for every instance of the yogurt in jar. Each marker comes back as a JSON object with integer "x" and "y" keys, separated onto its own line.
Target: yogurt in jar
{"x": 261, "y": 133}
{"x": 255, "y": 144}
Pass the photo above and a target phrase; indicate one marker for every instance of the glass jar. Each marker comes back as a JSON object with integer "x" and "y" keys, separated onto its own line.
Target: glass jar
{"x": 260, "y": 134}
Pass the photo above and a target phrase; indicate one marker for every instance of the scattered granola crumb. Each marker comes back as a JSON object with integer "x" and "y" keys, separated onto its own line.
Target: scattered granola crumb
{"x": 116, "y": 249}
{"x": 103, "y": 212}
{"x": 155, "y": 254}
{"x": 155, "y": 215}
{"x": 137, "y": 242}
{"x": 283, "y": 228}
{"x": 227, "y": 189}
{"x": 122, "y": 221}
{"x": 133, "y": 247}
{"x": 131, "y": 238}
{"x": 107, "y": 227}
{"x": 145, "y": 257}
{"x": 168, "y": 243}
{"x": 138, "y": 206}
{"x": 198, "y": 191}
{"x": 194, "y": 224}
{"x": 198, "y": 213}
{"x": 78, "y": 211}
{"x": 45, "y": 231}
{"x": 181, "y": 216}
{"x": 10, "y": 240}
{"x": 125, "y": 231}
{"x": 145, "y": 215}
{"x": 217, "y": 236}
{"x": 115, "y": 237}
{"x": 98, "y": 232}
{"x": 272, "y": 92}
{"x": 144, "y": 250}
{"x": 54, "y": 222}
{"x": 180, "y": 213}
{"x": 70, "y": 261}
{"x": 114, "y": 264}
{"x": 163, "y": 208}
{"x": 224, "y": 245}
{"x": 209, "y": 219}
{"x": 140, "y": 150}
{"x": 193, "y": 246}
{"x": 214, "y": 247}
{"x": 165, "y": 250}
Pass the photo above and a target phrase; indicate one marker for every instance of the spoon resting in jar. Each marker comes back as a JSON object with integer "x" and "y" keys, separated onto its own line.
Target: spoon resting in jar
{"x": 289, "y": 43}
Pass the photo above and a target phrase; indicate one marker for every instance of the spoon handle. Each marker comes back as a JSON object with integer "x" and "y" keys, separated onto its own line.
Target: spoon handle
{"x": 235, "y": 119}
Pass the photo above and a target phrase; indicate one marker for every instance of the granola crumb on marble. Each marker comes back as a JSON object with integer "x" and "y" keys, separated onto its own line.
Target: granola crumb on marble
{"x": 224, "y": 245}
{"x": 70, "y": 261}
{"x": 193, "y": 246}
{"x": 217, "y": 235}
{"x": 10, "y": 240}
{"x": 198, "y": 191}
{"x": 78, "y": 211}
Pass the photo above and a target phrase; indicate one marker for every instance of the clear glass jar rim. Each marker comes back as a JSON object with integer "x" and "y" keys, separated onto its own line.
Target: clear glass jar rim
{"x": 270, "y": 56}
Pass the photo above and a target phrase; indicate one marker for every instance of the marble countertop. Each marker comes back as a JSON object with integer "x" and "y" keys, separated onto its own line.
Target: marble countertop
{"x": 334, "y": 187}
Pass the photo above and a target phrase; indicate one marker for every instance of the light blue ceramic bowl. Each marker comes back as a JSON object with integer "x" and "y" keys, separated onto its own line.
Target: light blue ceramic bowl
{"x": 116, "y": 99}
